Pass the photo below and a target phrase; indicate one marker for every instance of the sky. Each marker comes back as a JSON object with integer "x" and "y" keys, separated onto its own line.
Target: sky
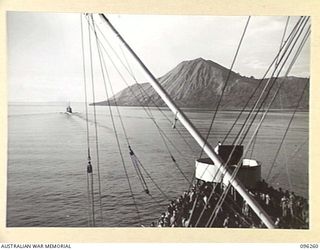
{"x": 45, "y": 55}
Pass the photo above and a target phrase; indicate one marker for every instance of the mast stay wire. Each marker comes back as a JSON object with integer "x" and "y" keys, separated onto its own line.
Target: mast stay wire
{"x": 271, "y": 81}
{"x": 281, "y": 106}
{"x": 295, "y": 110}
{"x": 281, "y": 44}
{"x": 162, "y": 92}
{"x": 284, "y": 34}
{"x": 274, "y": 80}
{"x": 140, "y": 87}
{"x": 230, "y": 154}
{"x": 285, "y": 47}
{"x": 132, "y": 155}
{"x": 219, "y": 204}
{"x": 104, "y": 49}
{"x": 139, "y": 173}
{"x": 212, "y": 193}
{"x": 241, "y": 130}
{"x": 149, "y": 176}
{"x": 214, "y": 214}
{"x": 95, "y": 123}
{"x": 253, "y": 146}
{"x": 225, "y": 85}
{"x": 164, "y": 137}
{"x": 122, "y": 124}
{"x": 222, "y": 93}
{"x": 292, "y": 42}
{"x": 135, "y": 161}
{"x": 90, "y": 191}
{"x": 294, "y": 154}
{"x": 130, "y": 72}
{"x": 162, "y": 133}
{"x": 113, "y": 123}
{"x": 286, "y": 74}
{"x": 224, "y": 195}
{"x": 295, "y": 37}
{"x": 144, "y": 93}
{"x": 263, "y": 77}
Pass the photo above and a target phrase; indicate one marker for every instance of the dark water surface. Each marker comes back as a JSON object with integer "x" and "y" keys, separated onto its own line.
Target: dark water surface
{"x": 47, "y": 157}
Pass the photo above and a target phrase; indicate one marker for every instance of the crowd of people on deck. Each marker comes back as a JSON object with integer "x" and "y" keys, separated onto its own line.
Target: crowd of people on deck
{"x": 288, "y": 209}
{"x": 195, "y": 208}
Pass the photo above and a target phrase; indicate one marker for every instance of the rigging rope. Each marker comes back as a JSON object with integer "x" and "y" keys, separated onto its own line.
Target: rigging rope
{"x": 231, "y": 155}
{"x": 136, "y": 162}
{"x": 288, "y": 70}
{"x": 294, "y": 154}
{"x": 253, "y": 145}
{"x": 295, "y": 110}
{"x": 276, "y": 65}
{"x": 224, "y": 195}
{"x": 152, "y": 180}
{"x": 162, "y": 134}
{"x": 224, "y": 86}
{"x": 295, "y": 37}
{"x": 250, "y": 114}
{"x": 284, "y": 34}
{"x": 134, "y": 158}
{"x": 275, "y": 79}
{"x": 90, "y": 202}
{"x": 288, "y": 41}
{"x": 137, "y": 168}
{"x": 113, "y": 123}
{"x": 220, "y": 99}
{"x": 173, "y": 125}
{"x": 91, "y": 221}
{"x": 285, "y": 149}
{"x": 214, "y": 214}
{"x": 95, "y": 122}
{"x": 240, "y": 132}
{"x": 164, "y": 137}
{"x": 129, "y": 70}
{"x": 90, "y": 182}
{"x": 281, "y": 107}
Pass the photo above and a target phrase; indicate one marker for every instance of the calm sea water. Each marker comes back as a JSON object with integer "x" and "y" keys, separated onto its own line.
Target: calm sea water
{"x": 47, "y": 157}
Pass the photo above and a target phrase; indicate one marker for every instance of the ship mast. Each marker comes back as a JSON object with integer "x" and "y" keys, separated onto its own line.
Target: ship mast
{"x": 195, "y": 134}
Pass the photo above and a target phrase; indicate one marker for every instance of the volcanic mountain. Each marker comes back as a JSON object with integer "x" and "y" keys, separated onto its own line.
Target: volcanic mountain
{"x": 199, "y": 84}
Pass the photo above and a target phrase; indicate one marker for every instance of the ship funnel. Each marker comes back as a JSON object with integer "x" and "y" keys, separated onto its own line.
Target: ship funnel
{"x": 249, "y": 173}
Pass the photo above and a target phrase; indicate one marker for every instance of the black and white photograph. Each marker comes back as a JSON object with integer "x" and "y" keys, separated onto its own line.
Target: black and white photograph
{"x": 152, "y": 121}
